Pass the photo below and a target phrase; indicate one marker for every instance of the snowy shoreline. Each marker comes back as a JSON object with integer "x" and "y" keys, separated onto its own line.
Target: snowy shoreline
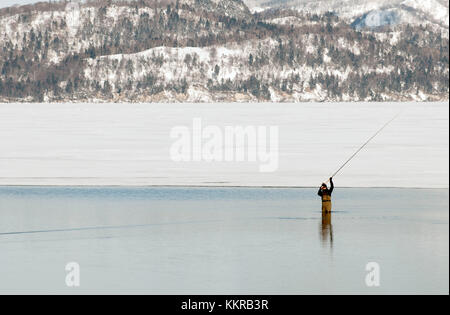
{"x": 129, "y": 145}
{"x": 210, "y": 186}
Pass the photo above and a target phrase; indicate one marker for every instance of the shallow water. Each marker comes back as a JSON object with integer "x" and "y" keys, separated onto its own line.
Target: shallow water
{"x": 223, "y": 240}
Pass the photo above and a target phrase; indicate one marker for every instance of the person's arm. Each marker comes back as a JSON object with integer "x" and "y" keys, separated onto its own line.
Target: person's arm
{"x": 320, "y": 192}
{"x": 331, "y": 185}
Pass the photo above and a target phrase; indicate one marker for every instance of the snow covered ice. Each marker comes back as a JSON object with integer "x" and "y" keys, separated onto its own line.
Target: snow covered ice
{"x": 129, "y": 144}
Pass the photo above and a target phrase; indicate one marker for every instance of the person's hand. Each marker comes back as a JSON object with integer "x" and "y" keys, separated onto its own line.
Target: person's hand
{"x": 331, "y": 178}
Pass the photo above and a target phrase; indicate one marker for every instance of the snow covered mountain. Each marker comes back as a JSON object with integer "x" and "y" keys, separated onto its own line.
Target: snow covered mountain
{"x": 214, "y": 50}
{"x": 377, "y": 12}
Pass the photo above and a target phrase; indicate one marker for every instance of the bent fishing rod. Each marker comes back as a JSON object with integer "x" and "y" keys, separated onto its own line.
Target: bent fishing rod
{"x": 362, "y": 147}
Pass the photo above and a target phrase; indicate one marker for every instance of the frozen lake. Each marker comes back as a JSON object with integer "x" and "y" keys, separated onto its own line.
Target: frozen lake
{"x": 223, "y": 240}
{"x": 129, "y": 144}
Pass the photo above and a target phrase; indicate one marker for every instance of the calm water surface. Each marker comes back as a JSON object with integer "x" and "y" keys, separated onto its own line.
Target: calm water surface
{"x": 222, "y": 240}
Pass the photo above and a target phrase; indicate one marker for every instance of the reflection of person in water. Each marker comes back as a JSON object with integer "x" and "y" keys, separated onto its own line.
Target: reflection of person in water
{"x": 326, "y": 228}
{"x": 325, "y": 194}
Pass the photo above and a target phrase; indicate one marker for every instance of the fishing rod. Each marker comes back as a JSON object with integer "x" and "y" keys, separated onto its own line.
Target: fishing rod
{"x": 362, "y": 147}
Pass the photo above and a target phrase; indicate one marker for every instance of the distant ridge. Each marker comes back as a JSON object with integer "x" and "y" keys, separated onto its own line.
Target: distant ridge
{"x": 216, "y": 51}
{"x": 417, "y": 12}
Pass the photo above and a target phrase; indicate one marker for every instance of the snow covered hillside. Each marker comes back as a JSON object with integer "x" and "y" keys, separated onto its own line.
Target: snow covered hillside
{"x": 407, "y": 11}
{"x": 216, "y": 50}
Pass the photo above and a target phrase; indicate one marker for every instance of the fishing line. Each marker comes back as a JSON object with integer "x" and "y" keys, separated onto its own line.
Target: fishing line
{"x": 362, "y": 147}
{"x": 111, "y": 227}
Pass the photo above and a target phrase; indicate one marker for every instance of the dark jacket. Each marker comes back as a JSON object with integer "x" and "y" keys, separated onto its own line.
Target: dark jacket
{"x": 327, "y": 191}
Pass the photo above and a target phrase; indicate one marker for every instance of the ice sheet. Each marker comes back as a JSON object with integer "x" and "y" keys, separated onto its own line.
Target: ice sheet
{"x": 129, "y": 144}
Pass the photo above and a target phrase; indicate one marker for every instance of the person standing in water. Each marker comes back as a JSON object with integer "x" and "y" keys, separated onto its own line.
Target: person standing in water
{"x": 325, "y": 194}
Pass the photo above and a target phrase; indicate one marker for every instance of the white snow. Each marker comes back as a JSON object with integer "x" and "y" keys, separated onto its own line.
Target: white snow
{"x": 174, "y": 67}
{"x": 257, "y": 9}
{"x": 431, "y": 7}
{"x": 128, "y": 144}
{"x": 288, "y": 20}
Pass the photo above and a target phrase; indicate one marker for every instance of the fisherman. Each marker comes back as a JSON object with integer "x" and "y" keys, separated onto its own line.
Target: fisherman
{"x": 325, "y": 194}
